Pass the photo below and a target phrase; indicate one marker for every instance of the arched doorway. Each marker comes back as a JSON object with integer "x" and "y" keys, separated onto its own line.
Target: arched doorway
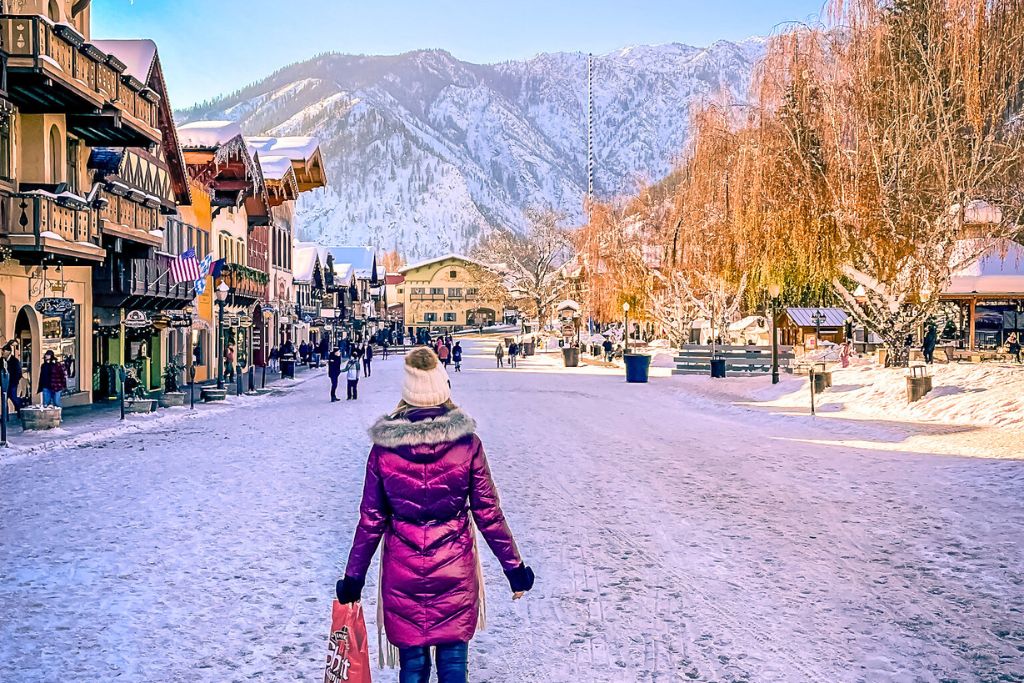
{"x": 26, "y": 334}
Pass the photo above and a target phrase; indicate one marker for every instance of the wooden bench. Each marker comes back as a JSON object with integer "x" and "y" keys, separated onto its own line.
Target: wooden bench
{"x": 740, "y": 361}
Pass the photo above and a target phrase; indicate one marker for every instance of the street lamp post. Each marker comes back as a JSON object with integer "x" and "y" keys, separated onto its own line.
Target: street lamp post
{"x": 222, "y": 299}
{"x": 818, "y": 318}
{"x": 774, "y": 290}
{"x": 625, "y": 312}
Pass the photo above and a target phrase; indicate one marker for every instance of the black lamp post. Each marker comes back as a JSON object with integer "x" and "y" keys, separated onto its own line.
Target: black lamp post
{"x": 818, "y": 318}
{"x": 222, "y": 300}
{"x": 774, "y": 290}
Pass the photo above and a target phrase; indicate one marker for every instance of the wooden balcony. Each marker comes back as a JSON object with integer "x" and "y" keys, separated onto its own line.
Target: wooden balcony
{"x": 52, "y": 70}
{"x": 142, "y": 283}
{"x": 40, "y": 226}
{"x": 427, "y": 297}
{"x": 248, "y": 285}
{"x": 130, "y": 218}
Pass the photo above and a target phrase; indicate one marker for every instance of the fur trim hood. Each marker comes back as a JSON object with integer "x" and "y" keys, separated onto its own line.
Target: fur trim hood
{"x": 400, "y": 432}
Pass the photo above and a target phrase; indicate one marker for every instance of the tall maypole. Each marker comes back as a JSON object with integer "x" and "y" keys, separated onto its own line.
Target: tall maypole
{"x": 590, "y": 136}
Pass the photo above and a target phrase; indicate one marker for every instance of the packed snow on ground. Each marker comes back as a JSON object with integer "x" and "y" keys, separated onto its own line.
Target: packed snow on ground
{"x": 676, "y": 534}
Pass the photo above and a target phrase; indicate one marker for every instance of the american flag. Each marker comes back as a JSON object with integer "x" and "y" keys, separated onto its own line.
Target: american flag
{"x": 185, "y": 267}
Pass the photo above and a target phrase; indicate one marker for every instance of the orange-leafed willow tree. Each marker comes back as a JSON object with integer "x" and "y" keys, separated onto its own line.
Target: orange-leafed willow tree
{"x": 882, "y": 150}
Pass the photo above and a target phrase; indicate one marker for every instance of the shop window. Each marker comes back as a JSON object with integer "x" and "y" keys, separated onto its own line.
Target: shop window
{"x": 5, "y": 147}
{"x": 60, "y": 335}
{"x": 449, "y": 317}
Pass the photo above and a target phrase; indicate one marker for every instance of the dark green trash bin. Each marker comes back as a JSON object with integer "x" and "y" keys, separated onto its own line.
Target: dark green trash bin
{"x": 718, "y": 367}
{"x": 638, "y": 367}
{"x": 571, "y": 356}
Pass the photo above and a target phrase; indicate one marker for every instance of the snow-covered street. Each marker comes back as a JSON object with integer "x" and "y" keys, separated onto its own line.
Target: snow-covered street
{"x": 675, "y": 537}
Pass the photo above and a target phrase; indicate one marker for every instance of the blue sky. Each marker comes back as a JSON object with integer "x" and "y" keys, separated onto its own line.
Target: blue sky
{"x": 210, "y": 47}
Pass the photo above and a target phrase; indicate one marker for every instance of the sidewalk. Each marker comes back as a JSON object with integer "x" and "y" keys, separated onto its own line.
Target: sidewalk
{"x": 81, "y": 425}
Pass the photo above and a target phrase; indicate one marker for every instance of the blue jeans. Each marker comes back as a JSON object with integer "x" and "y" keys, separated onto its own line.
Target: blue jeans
{"x": 452, "y": 664}
{"x": 51, "y": 398}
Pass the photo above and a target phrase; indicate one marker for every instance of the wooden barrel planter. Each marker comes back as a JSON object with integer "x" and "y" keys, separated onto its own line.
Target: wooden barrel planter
{"x": 40, "y": 418}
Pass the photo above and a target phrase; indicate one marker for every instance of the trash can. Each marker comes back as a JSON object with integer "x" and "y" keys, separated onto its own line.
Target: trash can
{"x": 638, "y": 367}
{"x": 571, "y": 356}
{"x": 822, "y": 381}
{"x": 288, "y": 366}
{"x": 919, "y": 383}
{"x": 718, "y": 367}
{"x": 528, "y": 348}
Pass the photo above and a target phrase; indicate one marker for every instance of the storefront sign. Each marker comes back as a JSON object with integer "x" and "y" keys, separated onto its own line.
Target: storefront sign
{"x": 317, "y": 322}
{"x": 137, "y": 320}
{"x": 328, "y": 312}
{"x": 568, "y": 331}
{"x": 55, "y": 307}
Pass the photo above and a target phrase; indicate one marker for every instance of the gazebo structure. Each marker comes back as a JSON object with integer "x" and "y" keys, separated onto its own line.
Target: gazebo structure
{"x": 990, "y": 294}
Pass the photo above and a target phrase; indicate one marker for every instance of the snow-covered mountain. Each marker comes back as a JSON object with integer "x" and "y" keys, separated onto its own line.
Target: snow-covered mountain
{"x": 426, "y": 152}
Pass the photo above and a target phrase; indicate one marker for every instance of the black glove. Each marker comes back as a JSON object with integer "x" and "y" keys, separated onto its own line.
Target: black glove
{"x": 349, "y": 589}
{"x": 520, "y": 578}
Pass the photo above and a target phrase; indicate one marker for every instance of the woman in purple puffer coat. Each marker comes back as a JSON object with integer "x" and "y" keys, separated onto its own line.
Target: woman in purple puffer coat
{"x": 428, "y": 488}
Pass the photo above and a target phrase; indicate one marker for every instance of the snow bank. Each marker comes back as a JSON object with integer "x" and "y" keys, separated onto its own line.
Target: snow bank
{"x": 971, "y": 395}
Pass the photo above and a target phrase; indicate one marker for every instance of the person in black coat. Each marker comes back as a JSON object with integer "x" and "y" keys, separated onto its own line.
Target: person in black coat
{"x": 13, "y": 365}
{"x": 367, "y": 359}
{"x": 334, "y": 372}
{"x": 931, "y": 338}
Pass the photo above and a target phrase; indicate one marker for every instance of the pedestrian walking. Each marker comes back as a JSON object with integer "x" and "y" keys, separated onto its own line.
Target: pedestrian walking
{"x": 384, "y": 349}
{"x": 367, "y": 359}
{"x": 457, "y": 356}
{"x": 1013, "y": 345}
{"x": 229, "y": 362}
{"x": 428, "y": 489}
{"x": 13, "y": 365}
{"x": 609, "y": 349}
{"x": 352, "y": 378}
{"x": 845, "y": 352}
{"x": 273, "y": 356}
{"x": 513, "y": 353}
{"x": 323, "y": 351}
{"x": 499, "y": 354}
{"x": 931, "y": 338}
{"x": 52, "y": 379}
{"x": 443, "y": 354}
{"x": 334, "y": 372}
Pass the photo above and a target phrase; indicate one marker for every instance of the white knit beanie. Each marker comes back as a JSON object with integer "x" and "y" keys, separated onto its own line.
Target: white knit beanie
{"x": 426, "y": 382}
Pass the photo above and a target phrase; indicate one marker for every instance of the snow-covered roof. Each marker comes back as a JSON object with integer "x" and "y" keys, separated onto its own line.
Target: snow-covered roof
{"x": 343, "y": 272}
{"x": 439, "y": 259}
{"x": 275, "y": 167}
{"x": 567, "y": 305}
{"x": 999, "y": 270}
{"x": 805, "y": 317}
{"x": 137, "y": 55}
{"x": 208, "y": 134}
{"x": 303, "y": 261}
{"x": 295, "y": 147}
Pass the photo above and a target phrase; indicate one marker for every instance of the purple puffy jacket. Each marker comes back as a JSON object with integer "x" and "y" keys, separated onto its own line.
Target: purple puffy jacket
{"x": 426, "y": 473}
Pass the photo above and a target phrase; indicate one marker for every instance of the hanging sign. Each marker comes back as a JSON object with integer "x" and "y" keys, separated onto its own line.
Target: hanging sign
{"x": 54, "y": 307}
{"x": 137, "y": 320}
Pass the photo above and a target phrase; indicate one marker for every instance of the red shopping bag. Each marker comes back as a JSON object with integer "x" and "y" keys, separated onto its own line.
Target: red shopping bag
{"x": 348, "y": 656}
